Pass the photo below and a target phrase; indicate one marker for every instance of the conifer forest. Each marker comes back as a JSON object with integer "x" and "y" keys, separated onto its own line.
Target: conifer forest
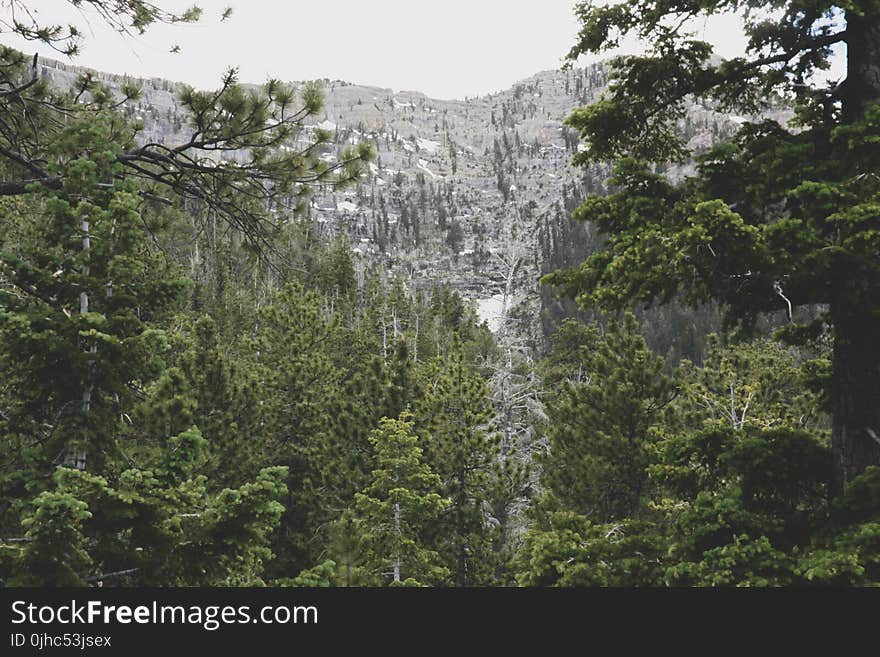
{"x": 618, "y": 326}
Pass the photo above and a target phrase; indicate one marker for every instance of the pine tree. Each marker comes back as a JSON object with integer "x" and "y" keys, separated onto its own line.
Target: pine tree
{"x": 299, "y": 397}
{"x": 453, "y": 420}
{"x": 399, "y": 506}
{"x": 602, "y": 425}
{"x": 81, "y": 310}
{"x": 733, "y": 485}
{"x": 780, "y": 217}
{"x": 226, "y": 406}
{"x": 321, "y": 391}
{"x": 742, "y": 468}
{"x": 82, "y": 291}
{"x": 259, "y": 125}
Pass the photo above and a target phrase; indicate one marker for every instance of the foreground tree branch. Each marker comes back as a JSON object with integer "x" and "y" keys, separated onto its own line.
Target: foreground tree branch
{"x": 247, "y": 151}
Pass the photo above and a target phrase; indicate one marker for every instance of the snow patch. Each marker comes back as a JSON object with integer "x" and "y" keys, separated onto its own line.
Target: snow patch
{"x": 491, "y": 311}
{"x": 428, "y": 145}
{"x": 346, "y": 206}
{"x": 326, "y": 125}
{"x": 423, "y": 165}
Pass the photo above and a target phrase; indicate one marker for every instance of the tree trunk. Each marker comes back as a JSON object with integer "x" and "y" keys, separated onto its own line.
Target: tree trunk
{"x": 76, "y": 457}
{"x": 862, "y": 86}
{"x": 855, "y": 399}
{"x": 397, "y": 538}
{"x": 855, "y": 384}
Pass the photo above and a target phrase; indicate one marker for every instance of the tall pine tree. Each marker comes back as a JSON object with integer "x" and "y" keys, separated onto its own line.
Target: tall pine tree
{"x": 398, "y": 507}
{"x": 782, "y": 216}
{"x": 453, "y": 419}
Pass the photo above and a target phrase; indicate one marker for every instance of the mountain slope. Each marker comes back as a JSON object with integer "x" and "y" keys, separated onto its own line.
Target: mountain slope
{"x": 474, "y": 193}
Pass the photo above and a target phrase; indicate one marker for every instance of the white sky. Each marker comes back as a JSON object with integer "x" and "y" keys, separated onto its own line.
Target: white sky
{"x": 444, "y": 48}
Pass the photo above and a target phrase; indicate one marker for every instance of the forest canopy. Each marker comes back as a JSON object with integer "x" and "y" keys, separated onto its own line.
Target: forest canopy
{"x": 202, "y": 385}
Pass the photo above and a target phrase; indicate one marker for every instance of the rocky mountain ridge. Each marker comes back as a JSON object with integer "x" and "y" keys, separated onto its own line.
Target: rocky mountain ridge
{"x": 474, "y": 193}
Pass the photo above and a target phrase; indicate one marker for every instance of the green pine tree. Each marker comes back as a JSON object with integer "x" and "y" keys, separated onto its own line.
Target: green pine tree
{"x": 102, "y": 492}
{"x": 453, "y": 420}
{"x": 80, "y": 309}
{"x": 399, "y": 506}
{"x": 781, "y": 217}
{"x": 602, "y": 425}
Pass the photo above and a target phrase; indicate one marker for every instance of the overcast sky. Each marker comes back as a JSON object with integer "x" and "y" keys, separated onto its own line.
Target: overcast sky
{"x": 444, "y": 48}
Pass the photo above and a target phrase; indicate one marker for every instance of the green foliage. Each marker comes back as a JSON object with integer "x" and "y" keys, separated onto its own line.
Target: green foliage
{"x": 84, "y": 310}
{"x": 226, "y": 405}
{"x": 272, "y": 172}
{"x": 602, "y": 420}
{"x": 155, "y": 526}
{"x": 320, "y": 576}
{"x": 779, "y": 219}
{"x": 305, "y": 416}
{"x": 124, "y": 16}
{"x": 736, "y": 474}
{"x": 399, "y": 506}
{"x": 758, "y": 384}
{"x": 55, "y": 553}
{"x": 648, "y": 92}
{"x": 570, "y": 550}
{"x": 224, "y": 427}
{"x": 81, "y": 317}
{"x": 453, "y": 421}
{"x": 236, "y": 426}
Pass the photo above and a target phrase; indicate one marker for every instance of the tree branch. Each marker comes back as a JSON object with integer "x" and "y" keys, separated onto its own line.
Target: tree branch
{"x": 15, "y": 91}
{"x": 118, "y": 573}
{"x": 22, "y": 161}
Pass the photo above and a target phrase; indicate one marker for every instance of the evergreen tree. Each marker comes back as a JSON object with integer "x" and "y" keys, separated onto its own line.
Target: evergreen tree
{"x": 226, "y": 406}
{"x": 398, "y": 507}
{"x": 602, "y": 425}
{"x": 82, "y": 290}
{"x": 453, "y": 421}
{"x": 781, "y": 217}
{"x": 737, "y": 490}
{"x": 101, "y": 492}
{"x": 743, "y": 468}
{"x": 300, "y": 395}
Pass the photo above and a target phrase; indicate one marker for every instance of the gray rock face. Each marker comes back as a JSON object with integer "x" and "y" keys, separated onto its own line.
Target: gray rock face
{"x": 475, "y": 193}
